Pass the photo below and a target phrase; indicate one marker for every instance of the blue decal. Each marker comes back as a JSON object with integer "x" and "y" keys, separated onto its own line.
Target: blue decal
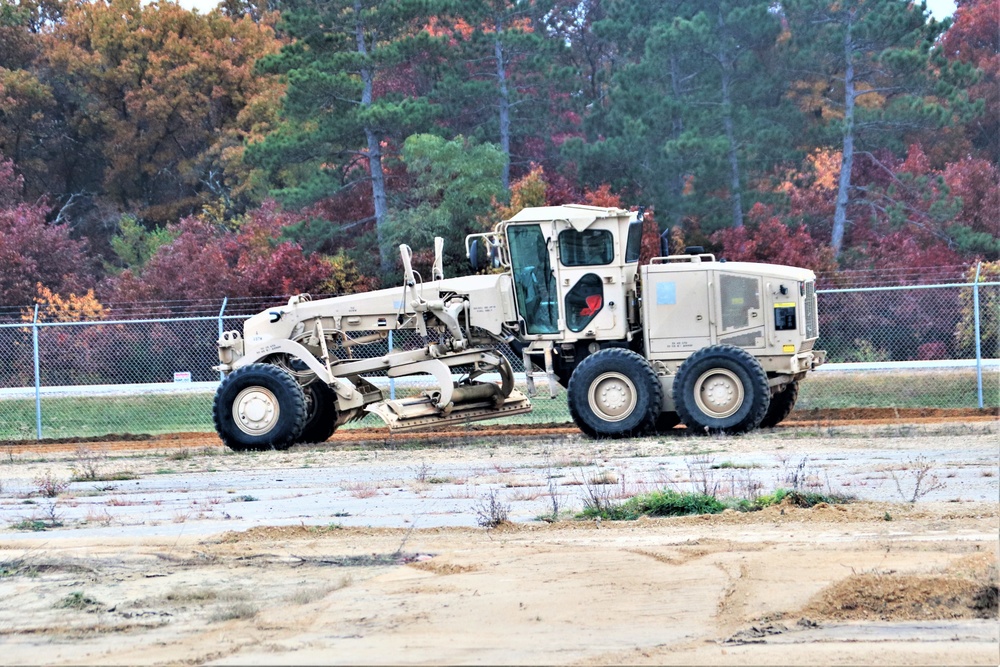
{"x": 666, "y": 294}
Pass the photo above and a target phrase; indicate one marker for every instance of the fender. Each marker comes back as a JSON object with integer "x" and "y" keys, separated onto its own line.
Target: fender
{"x": 347, "y": 394}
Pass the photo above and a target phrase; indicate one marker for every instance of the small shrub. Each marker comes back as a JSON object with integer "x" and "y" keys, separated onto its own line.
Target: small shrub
{"x": 491, "y": 512}
{"x": 924, "y": 480}
{"x": 49, "y": 486}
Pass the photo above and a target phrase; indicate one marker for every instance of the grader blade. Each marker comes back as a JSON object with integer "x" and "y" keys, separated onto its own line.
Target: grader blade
{"x": 410, "y": 414}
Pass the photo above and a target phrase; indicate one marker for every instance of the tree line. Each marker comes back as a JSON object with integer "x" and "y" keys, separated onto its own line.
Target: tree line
{"x": 152, "y": 153}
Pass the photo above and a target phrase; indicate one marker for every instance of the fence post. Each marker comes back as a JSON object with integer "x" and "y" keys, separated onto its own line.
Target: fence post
{"x": 392, "y": 381}
{"x": 225, "y": 300}
{"x": 979, "y": 344}
{"x": 38, "y": 377}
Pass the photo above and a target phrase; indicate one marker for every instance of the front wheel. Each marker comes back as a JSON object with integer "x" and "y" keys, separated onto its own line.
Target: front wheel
{"x": 781, "y": 405}
{"x": 721, "y": 389}
{"x": 614, "y": 393}
{"x": 259, "y": 407}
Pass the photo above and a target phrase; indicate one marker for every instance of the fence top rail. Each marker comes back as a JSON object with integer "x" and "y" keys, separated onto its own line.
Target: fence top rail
{"x": 903, "y": 288}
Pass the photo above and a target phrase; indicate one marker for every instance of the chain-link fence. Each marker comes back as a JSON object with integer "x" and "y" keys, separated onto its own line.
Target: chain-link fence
{"x": 933, "y": 346}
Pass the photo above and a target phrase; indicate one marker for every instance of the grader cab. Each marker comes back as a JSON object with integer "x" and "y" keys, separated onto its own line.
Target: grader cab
{"x": 719, "y": 346}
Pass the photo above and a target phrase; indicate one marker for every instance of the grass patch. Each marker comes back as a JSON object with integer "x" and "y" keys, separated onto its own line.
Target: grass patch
{"x": 234, "y": 611}
{"x": 119, "y": 476}
{"x": 674, "y": 503}
{"x": 33, "y": 525}
{"x": 90, "y": 416}
{"x": 729, "y": 465}
{"x": 77, "y": 600}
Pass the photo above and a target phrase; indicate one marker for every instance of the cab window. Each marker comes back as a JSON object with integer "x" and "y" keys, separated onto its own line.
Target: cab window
{"x": 534, "y": 282}
{"x": 584, "y": 301}
{"x": 634, "y": 244}
{"x": 591, "y": 247}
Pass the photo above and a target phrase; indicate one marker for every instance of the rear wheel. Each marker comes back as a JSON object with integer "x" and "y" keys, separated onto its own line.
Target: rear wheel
{"x": 259, "y": 407}
{"x": 321, "y": 413}
{"x": 721, "y": 389}
{"x": 614, "y": 393}
{"x": 781, "y": 405}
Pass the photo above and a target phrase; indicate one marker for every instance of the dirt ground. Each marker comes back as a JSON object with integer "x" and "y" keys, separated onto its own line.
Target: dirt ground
{"x": 315, "y": 573}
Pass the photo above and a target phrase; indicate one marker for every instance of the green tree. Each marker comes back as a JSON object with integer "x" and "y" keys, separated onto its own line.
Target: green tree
{"x": 455, "y": 184}
{"x": 695, "y": 112}
{"x": 871, "y": 63}
{"x": 134, "y": 244}
{"x": 342, "y": 106}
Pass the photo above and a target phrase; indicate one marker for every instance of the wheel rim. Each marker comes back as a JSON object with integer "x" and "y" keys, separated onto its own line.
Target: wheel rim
{"x": 256, "y": 410}
{"x": 718, "y": 393}
{"x": 612, "y": 397}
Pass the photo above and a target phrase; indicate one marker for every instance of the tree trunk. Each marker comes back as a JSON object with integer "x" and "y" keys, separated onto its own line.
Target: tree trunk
{"x": 676, "y": 185}
{"x": 735, "y": 194}
{"x": 503, "y": 105}
{"x": 374, "y": 152}
{"x": 847, "y": 155}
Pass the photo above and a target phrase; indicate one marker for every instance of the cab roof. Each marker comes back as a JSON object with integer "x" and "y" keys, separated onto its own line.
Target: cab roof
{"x": 577, "y": 215}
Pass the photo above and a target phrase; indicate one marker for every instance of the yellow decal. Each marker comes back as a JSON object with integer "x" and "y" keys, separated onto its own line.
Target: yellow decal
{"x": 787, "y": 348}
{"x": 784, "y": 305}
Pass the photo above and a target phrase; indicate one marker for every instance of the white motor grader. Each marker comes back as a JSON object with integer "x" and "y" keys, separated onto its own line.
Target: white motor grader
{"x": 720, "y": 346}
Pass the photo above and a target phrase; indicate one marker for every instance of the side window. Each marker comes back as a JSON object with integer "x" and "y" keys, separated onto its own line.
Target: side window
{"x": 739, "y": 295}
{"x": 634, "y": 245}
{"x": 591, "y": 247}
{"x": 584, "y": 301}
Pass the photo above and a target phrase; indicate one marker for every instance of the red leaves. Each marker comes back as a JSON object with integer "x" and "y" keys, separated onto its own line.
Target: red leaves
{"x": 766, "y": 238}
{"x": 205, "y": 262}
{"x": 33, "y": 252}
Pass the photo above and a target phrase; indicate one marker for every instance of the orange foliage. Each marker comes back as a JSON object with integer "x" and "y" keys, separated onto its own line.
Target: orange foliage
{"x": 602, "y": 196}
{"x": 73, "y": 308}
{"x": 527, "y": 191}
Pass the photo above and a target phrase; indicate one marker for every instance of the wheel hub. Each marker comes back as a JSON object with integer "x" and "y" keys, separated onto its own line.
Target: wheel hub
{"x": 256, "y": 410}
{"x": 719, "y": 393}
{"x": 612, "y": 396}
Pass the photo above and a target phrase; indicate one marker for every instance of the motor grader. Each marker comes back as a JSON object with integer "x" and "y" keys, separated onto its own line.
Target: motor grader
{"x": 718, "y": 346}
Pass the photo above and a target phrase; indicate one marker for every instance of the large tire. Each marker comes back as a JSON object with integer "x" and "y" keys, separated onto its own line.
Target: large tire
{"x": 721, "y": 389}
{"x": 321, "y": 413}
{"x": 781, "y": 405}
{"x": 259, "y": 407}
{"x": 614, "y": 393}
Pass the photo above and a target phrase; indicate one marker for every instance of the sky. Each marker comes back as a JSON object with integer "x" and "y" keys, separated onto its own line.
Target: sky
{"x": 939, "y": 8}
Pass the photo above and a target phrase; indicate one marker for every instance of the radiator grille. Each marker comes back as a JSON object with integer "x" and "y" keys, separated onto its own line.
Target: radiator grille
{"x": 812, "y": 327}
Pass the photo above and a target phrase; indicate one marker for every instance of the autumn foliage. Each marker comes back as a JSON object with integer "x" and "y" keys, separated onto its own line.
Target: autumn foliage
{"x": 150, "y": 153}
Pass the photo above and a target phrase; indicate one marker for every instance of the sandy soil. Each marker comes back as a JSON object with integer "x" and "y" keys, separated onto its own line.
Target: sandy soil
{"x": 872, "y": 582}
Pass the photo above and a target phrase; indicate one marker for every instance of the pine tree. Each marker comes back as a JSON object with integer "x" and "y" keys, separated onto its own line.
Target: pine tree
{"x": 871, "y": 60}
{"x": 343, "y": 104}
{"x": 507, "y": 84}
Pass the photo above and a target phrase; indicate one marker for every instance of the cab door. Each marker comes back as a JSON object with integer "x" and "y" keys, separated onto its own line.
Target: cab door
{"x": 535, "y": 290}
{"x": 590, "y": 283}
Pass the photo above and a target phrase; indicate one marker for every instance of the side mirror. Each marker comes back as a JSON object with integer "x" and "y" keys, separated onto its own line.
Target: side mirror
{"x": 474, "y": 255}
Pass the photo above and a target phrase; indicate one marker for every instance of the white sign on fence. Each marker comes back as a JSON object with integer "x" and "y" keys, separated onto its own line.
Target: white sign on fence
{"x": 182, "y": 376}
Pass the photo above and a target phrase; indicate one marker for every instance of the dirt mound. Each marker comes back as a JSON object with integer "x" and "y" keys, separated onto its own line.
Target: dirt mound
{"x": 905, "y": 597}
